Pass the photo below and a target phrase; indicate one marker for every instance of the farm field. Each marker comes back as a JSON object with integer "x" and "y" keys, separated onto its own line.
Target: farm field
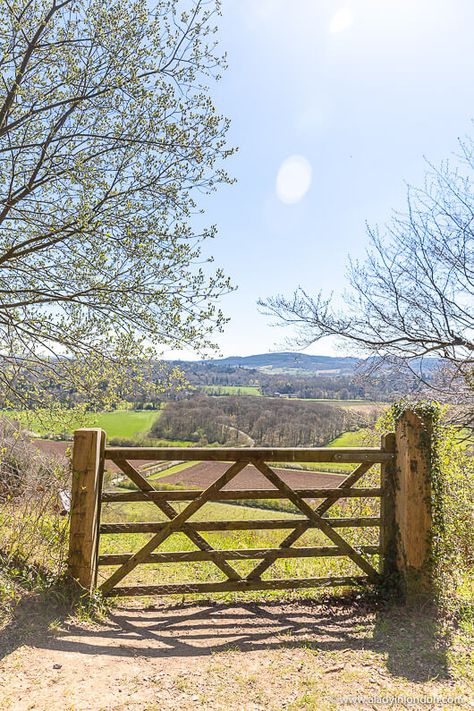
{"x": 126, "y": 423}
{"x": 231, "y": 390}
{"x": 363, "y": 437}
{"x": 364, "y": 407}
{"x": 175, "y": 469}
{"x": 202, "y": 475}
{"x": 118, "y": 423}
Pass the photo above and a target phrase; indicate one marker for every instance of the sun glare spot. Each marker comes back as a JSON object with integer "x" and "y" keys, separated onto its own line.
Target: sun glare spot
{"x": 341, "y": 21}
{"x": 293, "y": 179}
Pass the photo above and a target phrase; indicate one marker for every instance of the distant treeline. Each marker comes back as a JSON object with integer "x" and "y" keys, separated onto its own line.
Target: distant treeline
{"x": 268, "y": 422}
{"x": 331, "y": 387}
{"x": 335, "y": 388}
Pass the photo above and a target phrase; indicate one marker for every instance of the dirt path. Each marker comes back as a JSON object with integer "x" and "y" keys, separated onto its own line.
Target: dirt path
{"x": 248, "y": 656}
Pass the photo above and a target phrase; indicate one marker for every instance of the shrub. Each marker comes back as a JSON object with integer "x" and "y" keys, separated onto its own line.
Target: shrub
{"x": 33, "y": 527}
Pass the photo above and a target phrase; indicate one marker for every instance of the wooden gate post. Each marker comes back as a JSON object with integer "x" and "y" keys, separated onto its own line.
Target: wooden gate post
{"x": 413, "y": 506}
{"x": 87, "y": 472}
{"x": 388, "y": 525}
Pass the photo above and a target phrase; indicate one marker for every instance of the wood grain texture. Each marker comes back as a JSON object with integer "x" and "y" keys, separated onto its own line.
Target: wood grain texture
{"x": 413, "y": 501}
{"x": 239, "y": 494}
{"x": 234, "y": 454}
{"x": 303, "y": 527}
{"x": 239, "y": 585}
{"x": 87, "y": 472}
{"x": 236, "y": 554}
{"x": 244, "y": 525}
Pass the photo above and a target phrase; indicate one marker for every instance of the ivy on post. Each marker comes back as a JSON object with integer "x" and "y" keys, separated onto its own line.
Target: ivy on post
{"x": 87, "y": 473}
{"x": 414, "y": 505}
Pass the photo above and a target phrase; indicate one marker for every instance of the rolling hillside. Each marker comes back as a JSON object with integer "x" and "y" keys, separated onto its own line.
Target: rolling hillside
{"x": 320, "y": 365}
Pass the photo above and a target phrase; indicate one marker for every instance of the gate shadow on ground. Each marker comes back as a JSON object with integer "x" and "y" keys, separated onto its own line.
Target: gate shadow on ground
{"x": 407, "y": 640}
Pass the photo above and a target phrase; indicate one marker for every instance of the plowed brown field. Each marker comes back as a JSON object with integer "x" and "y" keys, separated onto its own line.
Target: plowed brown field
{"x": 204, "y": 474}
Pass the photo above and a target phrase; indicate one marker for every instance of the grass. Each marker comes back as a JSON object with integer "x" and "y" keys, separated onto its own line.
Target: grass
{"x": 364, "y": 437}
{"x": 118, "y": 423}
{"x": 126, "y": 423}
{"x": 172, "y": 443}
{"x": 172, "y": 470}
{"x": 359, "y": 438}
{"x": 231, "y": 390}
{"x": 147, "y": 574}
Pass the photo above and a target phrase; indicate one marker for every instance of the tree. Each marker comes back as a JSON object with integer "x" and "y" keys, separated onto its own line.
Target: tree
{"x": 107, "y": 136}
{"x": 413, "y": 296}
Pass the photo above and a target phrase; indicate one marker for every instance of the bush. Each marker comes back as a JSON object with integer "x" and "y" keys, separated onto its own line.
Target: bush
{"x": 33, "y": 527}
{"x": 453, "y": 475}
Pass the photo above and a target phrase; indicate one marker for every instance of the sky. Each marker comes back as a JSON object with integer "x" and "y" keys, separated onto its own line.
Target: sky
{"x": 335, "y": 107}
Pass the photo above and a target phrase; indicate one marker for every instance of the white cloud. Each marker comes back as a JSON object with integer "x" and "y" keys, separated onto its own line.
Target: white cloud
{"x": 342, "y": 20}
{"x": 293, "y": 179}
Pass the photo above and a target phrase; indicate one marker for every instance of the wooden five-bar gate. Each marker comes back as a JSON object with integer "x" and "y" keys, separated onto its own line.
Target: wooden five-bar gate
{"x": 403, "y": 517}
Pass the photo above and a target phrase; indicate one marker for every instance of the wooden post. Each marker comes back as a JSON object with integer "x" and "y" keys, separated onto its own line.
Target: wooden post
{"x": 87, "y": 472}
{"x": 413, "y": 506}
{"x": 388, "y": 528}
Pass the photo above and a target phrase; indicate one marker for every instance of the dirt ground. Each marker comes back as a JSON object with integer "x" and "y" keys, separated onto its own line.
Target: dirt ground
{"x": 204, "y": 474}
{"x": 246, "y": 656}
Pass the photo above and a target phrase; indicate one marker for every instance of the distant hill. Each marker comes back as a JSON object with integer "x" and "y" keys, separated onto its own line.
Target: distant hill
{"x": 290, "y": 361}
{"x": 302, "y": 364}
{"x": 299, "y": 375}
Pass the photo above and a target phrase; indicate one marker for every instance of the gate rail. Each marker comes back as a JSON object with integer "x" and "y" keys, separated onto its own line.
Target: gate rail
{"x": 395, "y": 455}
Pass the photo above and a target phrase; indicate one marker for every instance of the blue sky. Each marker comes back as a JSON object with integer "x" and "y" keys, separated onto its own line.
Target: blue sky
{"x": 360, "y": 91}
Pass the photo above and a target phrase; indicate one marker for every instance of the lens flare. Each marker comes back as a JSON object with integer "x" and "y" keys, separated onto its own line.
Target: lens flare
{"x": 293, "y": 179}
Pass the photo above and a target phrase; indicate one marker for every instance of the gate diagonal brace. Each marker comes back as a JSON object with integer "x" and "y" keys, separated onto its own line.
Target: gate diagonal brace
{"x": 169, "y": 511}
{"x": 314, "y": 517}
{"x": 292, "y": 537}
{"x": 173, "y": 526}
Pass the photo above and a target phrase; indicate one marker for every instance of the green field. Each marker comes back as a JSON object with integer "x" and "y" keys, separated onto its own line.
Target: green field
{"x": 364, "y": 437}
{"x": 126, "y": 423}
{"x": 359, "y": 438}
{"x": 231, "y": 390}
{"x": 119, "y": 423}
{"x": 206, "y": 571}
